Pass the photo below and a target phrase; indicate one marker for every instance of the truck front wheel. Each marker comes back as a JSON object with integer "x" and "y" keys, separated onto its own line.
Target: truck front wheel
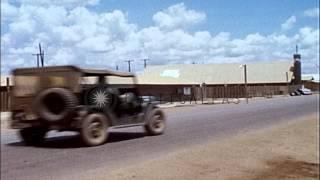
{"x": 156, "y": 122}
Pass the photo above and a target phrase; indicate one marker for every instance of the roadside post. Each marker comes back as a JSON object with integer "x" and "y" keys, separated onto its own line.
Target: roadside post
{"x": 8, "y": 99}
{"x": 244, "y": 66}
{"x": 287, "y": 80}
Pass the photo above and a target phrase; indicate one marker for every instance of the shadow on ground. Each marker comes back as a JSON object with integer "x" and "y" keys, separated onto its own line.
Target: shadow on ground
{"x": 74, "y": 141}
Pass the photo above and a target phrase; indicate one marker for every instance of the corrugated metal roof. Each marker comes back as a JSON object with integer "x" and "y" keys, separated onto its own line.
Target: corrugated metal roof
{"x": 267, "y": 72}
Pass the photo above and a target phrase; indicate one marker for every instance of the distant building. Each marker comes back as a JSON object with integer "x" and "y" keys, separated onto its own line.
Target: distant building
{"x": 179, "y": 78}
{"x": 208, "y": 80}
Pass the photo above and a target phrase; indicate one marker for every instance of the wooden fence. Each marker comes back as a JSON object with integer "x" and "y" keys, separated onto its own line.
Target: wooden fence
{"x": 237, "y": 91}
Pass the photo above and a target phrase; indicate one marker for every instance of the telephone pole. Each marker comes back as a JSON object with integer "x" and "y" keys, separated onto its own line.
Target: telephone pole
{"x": 246, "y": 82}
{"x": 41, "y": 52}
{"x": 145, "y": 62}
{"x": 40, "y": 57}
{"x": 37, "y": 58}
{"x": 129, "y": 64}
{"x": 244, "y": 66}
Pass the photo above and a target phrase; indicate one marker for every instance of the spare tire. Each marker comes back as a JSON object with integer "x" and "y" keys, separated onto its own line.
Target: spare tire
{"x": 102, "y": 97}
{"x": 55, "y": 104}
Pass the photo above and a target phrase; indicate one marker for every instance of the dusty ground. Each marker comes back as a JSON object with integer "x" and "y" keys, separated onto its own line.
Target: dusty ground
{"x": 285, "y": 151}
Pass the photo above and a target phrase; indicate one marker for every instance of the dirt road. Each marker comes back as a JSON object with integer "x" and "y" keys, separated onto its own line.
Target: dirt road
{"x": 62, "y": 155}
{"x": 284, "y": 151}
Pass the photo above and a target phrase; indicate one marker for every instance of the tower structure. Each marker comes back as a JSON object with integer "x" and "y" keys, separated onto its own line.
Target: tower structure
{"x": 297, "y": 67}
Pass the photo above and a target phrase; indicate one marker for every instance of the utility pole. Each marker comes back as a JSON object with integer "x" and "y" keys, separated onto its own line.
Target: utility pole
{"x": 287, "y": 79}
{"x": 129, "y": 64}
{"x": 37, "y": 58}
{"x": 40, "y": 57}
{"x": 145, "y": 62}
{"x": 244, "y": 66}
{"x": 246, "y": 82}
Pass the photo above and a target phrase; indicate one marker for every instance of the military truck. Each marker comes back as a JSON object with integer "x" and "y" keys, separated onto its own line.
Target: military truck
{"x": 88, "y": 101}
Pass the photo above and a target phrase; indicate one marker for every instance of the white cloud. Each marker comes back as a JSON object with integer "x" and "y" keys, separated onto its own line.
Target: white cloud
{"x": 89, "y": 39}
{"x": 219, "y": 40}
{"x": 177, "y": 16}
{"x": 288, "y": 24}
{"x": 309, "y": 36}
{"x": 313, "y": 12}
{"x": 8, "y": 12}
{"x": 97, "y": 43}
{"x": 63, "y": 56}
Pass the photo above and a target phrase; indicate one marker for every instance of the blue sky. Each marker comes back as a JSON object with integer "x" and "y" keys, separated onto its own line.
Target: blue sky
{"x": 104, "y": 33}
{"x": 237, "y": 16}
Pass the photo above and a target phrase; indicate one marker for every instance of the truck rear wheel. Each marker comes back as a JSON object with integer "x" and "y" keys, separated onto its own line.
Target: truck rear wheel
{"x": 33, "y": 135}
{"x": 156, "y": 122}
{"x": 94, "y": 129}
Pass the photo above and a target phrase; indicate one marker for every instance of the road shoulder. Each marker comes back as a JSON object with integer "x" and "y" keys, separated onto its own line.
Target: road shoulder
{"x": 283, "y": 151}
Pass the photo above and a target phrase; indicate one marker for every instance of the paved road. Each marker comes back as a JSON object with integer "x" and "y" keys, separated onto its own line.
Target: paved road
{"x": 187, "y": 126}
